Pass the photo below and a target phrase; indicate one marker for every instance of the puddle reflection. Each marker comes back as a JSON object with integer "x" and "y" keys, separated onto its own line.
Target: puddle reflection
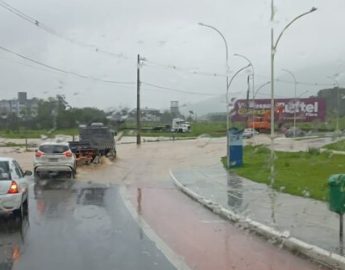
{"x": 12, "y": 236}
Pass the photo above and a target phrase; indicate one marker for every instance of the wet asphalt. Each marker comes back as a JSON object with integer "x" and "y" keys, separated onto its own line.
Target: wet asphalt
{"x": 76, "y": 226}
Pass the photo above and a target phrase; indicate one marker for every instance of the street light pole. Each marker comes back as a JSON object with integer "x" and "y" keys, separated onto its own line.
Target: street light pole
{"x": 227, "y": 87}
{"x": 274, "y": 45}
{"x": 138, "y": 102}
{"x": 336, "y": 83}
{"x": 294, "y": 107}
{"x": 253, "y": 78}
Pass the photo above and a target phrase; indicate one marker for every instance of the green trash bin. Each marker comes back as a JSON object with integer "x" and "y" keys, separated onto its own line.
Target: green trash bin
{"x": 336, "y": 185}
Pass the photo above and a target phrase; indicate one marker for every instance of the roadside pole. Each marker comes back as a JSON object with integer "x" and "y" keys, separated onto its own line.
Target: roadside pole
{"x": 341, "y": 232}
{"x": 138, "y": 103}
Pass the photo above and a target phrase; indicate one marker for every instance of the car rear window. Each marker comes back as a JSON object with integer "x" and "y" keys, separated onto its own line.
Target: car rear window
{"x": 53, "y": 149}
{"x": 4, "y": 170}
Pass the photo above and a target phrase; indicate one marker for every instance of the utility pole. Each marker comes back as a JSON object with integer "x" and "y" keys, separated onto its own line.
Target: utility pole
{"x": 248, "y": 91}
{"x": 138, "y": 103}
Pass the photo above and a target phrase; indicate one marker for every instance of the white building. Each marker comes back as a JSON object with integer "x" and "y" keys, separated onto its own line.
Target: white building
{"x": 22, "y": 106}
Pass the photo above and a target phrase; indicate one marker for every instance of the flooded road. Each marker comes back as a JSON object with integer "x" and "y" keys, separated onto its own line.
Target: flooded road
{"x": 77, "y": 226}
{"x": 129, "y": 215}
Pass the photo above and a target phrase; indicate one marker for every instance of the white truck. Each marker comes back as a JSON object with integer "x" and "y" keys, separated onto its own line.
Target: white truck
{"x": 180, "y": 125}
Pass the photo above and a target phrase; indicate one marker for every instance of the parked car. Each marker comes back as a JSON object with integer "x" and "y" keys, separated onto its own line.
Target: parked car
{"x": 13, "y": 187}
{"x": 294, "y": 132}
{"x": 54, "y": 159}
{"x": 249, "y": 132}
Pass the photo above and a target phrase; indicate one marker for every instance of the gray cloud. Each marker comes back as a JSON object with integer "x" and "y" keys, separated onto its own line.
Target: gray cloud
{"x": 165, "y": 32}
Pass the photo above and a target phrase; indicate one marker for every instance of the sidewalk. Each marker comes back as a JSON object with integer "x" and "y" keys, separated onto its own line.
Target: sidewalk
{"x": 303, "y": 218}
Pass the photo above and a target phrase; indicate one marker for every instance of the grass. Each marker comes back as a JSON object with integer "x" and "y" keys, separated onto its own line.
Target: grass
{"x": 302, "y": 174}
{"x": 338, "y": 146}
{"x": 29, "y": 133}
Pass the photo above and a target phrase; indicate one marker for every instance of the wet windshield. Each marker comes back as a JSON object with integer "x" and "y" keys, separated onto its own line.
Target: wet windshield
{"x": 4, "y": 170}
{"x": 173, "y": 134}
{"x": 53, "y": 149}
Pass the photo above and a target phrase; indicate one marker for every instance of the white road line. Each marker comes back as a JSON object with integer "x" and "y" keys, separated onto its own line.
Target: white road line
{"x": 177, "y": 261}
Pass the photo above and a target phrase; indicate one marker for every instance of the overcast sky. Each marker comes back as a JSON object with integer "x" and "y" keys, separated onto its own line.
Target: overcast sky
{"x": 166, "y": 33}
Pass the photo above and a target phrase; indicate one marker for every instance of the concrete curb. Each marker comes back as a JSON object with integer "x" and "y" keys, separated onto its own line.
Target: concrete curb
{"x": 315, "y": 253}
{"x": 332, "y": 151}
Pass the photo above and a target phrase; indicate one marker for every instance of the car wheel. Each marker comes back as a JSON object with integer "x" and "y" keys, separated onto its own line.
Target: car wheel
{"x": 36, "y": 177}
{"x": 19, "y": 212}
{"x": 26, "y": 206}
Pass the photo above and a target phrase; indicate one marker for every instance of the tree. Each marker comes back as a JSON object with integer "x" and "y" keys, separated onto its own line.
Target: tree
{"x": 166, "y": 117}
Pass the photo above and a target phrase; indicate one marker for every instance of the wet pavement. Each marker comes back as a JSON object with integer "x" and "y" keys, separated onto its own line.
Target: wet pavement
{"x": 91, "y": 225}
{"x": 204, "y": 240}
{"x": 303, "y": 218}
{"x": 78, "y": 226}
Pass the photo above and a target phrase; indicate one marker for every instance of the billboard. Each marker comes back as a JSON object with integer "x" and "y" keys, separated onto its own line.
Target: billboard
{"x": 304, "y": 109}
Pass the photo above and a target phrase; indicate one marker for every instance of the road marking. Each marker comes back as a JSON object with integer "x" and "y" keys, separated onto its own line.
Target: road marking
{"x": 177, "y": 261}
{"x": 214, "y": 221}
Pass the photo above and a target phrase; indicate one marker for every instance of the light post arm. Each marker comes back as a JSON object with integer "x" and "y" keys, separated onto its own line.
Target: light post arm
{"x": 260, "y": 87}
{"x": 224, "y": 39}
{"x": 234, "y": 76}
{"x": 227, "y": 98}
{"x": 289, "y": 24}
{"x": 253, "y": 84}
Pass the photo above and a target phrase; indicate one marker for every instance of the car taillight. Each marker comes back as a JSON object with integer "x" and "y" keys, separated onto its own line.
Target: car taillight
{"x": 13, "y": 188}
{"x": 39, "y": 154}
{"x": 68, "y": 154}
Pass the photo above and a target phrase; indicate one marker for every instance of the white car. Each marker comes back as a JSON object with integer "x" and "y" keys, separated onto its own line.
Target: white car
{"x": 249, "y": 132}
{"x": 54, "y": 159}
{"x": 13, "y": 187}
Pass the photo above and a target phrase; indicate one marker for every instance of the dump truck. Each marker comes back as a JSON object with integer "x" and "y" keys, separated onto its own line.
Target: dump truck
{"x": 95, "y": 140}
{"x": 262, "y": 123}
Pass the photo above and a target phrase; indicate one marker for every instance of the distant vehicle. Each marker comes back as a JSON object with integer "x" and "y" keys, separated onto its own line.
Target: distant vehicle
{"x": 294, "y": 132}
{"x": 249, "y": 132}
{"x": 261, "y": 124}
{"x": 180, "y": 125}
{"x": 13, "y": 187}
{"x": 95, "y": 140}
{"x": 54, "y": 159}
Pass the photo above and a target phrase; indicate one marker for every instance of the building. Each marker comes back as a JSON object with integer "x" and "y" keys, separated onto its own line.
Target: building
{"x": 21, "y": 107}
{"x": 174, "y": 108}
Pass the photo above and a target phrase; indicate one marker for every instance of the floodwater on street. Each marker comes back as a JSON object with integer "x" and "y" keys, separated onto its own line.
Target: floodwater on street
{"x": 92, "y": 224}
{"x": 77, "y": 226}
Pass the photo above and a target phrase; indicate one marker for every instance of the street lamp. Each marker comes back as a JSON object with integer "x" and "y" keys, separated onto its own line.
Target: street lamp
{"x": 253, "y": 76}
{"x": 294, "y": 107}
{"x": 274, "y": 45}
{"x": 260, "y": 87}
{"x": 227, "y": 86}
{"x": 336, "y": 83}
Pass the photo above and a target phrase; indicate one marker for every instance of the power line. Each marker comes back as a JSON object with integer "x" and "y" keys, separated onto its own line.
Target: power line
{"x": 298, "y": 82}
{"x": 62, "y": 70}
{"x": 190, "y": 71}
{"x": 51, "y": 31}
{"x": 177, "y": 90}
{"x": 303, "y": 83}
{"x": 186, "y": 70}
